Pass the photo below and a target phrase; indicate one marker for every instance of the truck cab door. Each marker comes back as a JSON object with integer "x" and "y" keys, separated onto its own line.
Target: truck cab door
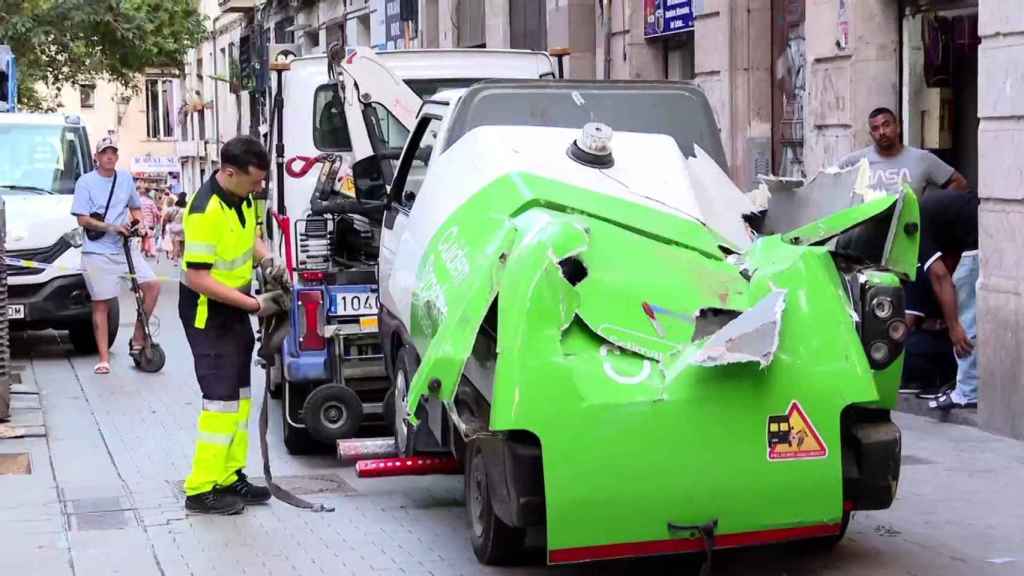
{"x": 397, "y": 285}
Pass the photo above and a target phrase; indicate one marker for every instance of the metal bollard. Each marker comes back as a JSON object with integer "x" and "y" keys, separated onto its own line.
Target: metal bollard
{"x": 5, "y": 347}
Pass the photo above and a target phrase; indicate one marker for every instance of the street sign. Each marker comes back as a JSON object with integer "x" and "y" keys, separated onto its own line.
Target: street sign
{"x": 662, "y": 17}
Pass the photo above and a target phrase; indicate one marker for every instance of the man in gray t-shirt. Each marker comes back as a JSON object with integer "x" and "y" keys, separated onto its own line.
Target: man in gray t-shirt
{"x": 110, "y": 193}
{"x": 893, "y": 164}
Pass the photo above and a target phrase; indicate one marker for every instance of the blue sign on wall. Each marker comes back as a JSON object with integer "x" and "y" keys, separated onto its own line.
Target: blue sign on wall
{"x": 663, "y": 17}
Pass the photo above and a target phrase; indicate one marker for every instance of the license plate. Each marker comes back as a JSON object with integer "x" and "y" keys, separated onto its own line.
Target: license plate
{"x": 15, "y": 311}
{"x": 355, "y": 303}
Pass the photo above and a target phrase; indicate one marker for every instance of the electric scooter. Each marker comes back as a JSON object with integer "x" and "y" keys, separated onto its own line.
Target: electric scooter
{"x": 150, "y": 358}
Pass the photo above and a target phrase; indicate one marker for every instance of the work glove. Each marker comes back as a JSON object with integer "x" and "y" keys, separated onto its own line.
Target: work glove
{"x": 275, "y": 275}
{"x": 273, "y": 303}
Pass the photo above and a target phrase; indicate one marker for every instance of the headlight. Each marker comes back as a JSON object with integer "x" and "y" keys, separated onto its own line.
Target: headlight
{"x": 75, "y": 237}
{"x": 882, "y": 307}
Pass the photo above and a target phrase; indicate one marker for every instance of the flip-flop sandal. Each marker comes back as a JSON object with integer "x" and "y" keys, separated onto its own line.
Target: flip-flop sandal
{"x": 102, "y": 368}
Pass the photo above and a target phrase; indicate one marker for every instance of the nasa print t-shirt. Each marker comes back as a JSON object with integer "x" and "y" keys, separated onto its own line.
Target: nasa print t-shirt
{"x": 918, "y": 168}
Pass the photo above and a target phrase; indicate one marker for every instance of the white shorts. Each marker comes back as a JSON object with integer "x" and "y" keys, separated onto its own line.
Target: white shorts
{"x": 104, "y": 273}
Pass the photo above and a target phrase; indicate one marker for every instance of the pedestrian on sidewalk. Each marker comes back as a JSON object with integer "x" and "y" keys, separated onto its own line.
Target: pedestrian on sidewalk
{"x": 174, "y": 232}
{"x": 962, "y": 212}
{"x": 106, "y": 204}
{"x": 894, "y": 164}
{"x": 938, "y": 338}
{"x": 150, "y": 218}
{"x": 214, "y": 305}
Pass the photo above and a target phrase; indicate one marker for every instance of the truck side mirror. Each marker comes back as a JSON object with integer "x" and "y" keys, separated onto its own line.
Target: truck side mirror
{"x": 369, "y": 179}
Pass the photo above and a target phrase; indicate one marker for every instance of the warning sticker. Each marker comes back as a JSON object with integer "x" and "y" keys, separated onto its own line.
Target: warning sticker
{"x": 791, "y": 436}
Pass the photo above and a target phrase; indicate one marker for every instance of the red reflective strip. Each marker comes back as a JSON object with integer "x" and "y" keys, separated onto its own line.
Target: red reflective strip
{"x": 417, "y": 465}
{"x": 658, "y": 547}
{"x": 847, "y": 505}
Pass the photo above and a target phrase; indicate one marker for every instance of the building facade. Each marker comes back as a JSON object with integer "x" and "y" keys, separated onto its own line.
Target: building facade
{"x": 142, "y": 120}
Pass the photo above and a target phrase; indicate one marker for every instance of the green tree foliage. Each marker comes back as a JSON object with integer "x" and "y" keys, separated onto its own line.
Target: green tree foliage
{"x": 60, "y": 42}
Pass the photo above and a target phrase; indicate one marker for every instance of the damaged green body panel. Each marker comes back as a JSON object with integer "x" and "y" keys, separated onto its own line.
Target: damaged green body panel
{"x": 634, "y": 434}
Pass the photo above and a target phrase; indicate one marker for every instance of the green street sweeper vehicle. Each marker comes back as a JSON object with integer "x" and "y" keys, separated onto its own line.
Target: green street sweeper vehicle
{"x": 580, "y": 307}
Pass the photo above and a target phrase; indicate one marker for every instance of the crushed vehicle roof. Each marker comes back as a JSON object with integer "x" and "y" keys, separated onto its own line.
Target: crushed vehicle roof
{"x": 677, "y": 109}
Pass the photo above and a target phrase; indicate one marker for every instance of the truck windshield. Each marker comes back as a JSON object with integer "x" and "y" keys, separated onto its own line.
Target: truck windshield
{"x": 330, "y": 130}
{"x": 38, "y": 159}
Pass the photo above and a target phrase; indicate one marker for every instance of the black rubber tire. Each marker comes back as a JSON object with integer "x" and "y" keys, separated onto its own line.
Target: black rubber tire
{"x": 495, "y": 543}
{"x": 275, "y": 391}
{"x": 81, "y": 335}
{"x": 296, "y": 440}
{"x": 153, "y": 361}
{"x": 399, "y": 391}
{"x": 332, "y": 412}
{"x": 389, "y": 409}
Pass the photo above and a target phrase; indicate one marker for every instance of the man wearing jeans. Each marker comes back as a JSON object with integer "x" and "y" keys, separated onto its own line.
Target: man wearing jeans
{"x": 965, "y": 395}
{"x": 949, "y": 233}
{"x": 106, "y": 201}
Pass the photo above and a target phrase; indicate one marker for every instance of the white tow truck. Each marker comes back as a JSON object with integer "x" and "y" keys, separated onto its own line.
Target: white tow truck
{"x": 330, "y": 370}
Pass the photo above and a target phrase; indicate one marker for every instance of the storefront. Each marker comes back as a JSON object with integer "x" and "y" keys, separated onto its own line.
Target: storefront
{"x": 154, "y": 172}
{"x": 669, "y": 25}
{"x": 939, "y": 66}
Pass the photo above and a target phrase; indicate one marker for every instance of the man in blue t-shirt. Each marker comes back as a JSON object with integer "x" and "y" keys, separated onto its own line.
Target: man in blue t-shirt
{"x": 106, "y": 201}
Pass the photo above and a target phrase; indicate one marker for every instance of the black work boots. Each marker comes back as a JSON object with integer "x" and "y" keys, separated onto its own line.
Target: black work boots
{"x": 230, "y": 499}
{"x": 247, "y": 491}
{"x": 215, "y": 502}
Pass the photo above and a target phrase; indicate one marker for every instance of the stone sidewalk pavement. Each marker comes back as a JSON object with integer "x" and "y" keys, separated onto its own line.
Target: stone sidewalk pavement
{"x": 103, "y": 496}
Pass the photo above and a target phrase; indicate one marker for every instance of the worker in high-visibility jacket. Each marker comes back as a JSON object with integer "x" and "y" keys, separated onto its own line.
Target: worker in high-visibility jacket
{"x": 221, "y": 247}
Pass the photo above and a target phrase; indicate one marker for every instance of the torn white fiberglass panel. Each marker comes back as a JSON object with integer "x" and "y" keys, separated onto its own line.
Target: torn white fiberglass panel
{"x": 753, "y": 336}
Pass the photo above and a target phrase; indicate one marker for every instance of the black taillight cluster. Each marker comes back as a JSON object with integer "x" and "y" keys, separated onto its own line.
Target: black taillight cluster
{"x": 883, "y": 328}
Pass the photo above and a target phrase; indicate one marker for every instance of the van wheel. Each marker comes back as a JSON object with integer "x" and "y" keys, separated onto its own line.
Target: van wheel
{"x": 82, "y": 337}
{"x": 332, "y": 412}
{"x": 495, "y": 543}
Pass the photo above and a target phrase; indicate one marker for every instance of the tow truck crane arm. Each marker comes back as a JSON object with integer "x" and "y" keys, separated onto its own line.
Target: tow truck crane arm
{"x": 364, "y": 79}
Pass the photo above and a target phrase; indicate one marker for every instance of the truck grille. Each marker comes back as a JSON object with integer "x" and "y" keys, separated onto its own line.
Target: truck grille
{"x": 47, "y": 255}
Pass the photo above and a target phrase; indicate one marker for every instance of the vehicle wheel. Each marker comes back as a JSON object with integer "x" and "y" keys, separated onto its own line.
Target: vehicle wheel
{"x": 332, "y": 412}
{"x": 274, "y": 387}
{"x": 296, "y": 440}
{"x": 82, "y": 338}
{"x": 399, "y": 393}
{"x": 495, "y": 543}
{"x": 389, "y": 409}
{"x": 152, "y": 361}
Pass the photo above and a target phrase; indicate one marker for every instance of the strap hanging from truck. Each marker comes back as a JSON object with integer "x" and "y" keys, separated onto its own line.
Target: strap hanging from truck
{"x": 278, "y": 492}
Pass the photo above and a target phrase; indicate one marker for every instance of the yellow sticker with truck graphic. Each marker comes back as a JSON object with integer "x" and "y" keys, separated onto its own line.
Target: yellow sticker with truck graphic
{"x": 792, "y": 436}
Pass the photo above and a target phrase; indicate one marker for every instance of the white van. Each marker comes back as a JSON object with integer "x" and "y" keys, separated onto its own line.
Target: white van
{"x": 43, "y": 156}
